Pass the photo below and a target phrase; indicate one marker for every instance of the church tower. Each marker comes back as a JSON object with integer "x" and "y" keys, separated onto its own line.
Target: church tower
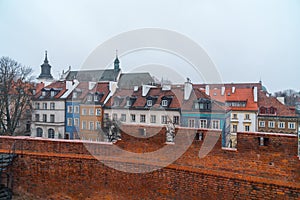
{"x": 45, "y": 70}
{"x": 116, "y": 63}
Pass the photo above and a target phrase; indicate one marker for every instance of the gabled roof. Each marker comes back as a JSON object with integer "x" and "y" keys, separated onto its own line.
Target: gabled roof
{"x": 129, "y": 80}
{"x": 59, "y": 86}
{"x": 270, "y": 101}
{"x": 83, "y": 91}
{"x": 93, "y": 75}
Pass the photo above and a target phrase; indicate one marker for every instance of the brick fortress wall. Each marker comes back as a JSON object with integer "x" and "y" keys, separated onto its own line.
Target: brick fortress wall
{"x": 57, "y": 169}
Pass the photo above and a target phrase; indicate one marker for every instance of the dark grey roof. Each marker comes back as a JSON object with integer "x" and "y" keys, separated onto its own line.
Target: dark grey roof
{"x": 129, "y": 80}
{"x": 93, "y": 75}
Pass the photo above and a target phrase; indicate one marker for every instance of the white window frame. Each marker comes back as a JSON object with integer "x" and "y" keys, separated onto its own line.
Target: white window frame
{"x": 91, "y": 111}
{"x": 281, "y": 125}
{"x": 293, "y": 124}
{"x": 70, "y": 109}
{"x": 164, "y": 102}
{"x": 91, "y": 126}
{"x": 149, "y": 103}
{"x": 262, "y": 124}
{"x": 84, "y": 111}
{"x": 98, "y": 125}
{"x": 247, "y": 127}
{"x": 271, "y": 124}
{"x": 98, "y": 111}
{"x": 132, "y": 117}
{"x": 215, "y": 124}
{"x": 83, "y": 125}
{"x": 115, "y": 116}
{"x": 52, "y": 106}
{"x": 45, "y": 106}
{"x": 143, "y": 118}
{"x": 69, "y": 122}
{"x": 176, "y": 121}
{"x": 200, "y": 123}
{"x": 76, "y": 121}
{"x": 76, "y": 109}
{"x": 123, "y": 118}
{"x": 191, "y": 123}
{"x": 153, "y": 119}
{"x": 164, "y": 119}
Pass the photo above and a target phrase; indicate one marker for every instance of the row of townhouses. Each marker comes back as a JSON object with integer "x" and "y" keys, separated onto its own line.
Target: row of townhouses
{"x": 77, "y": 105}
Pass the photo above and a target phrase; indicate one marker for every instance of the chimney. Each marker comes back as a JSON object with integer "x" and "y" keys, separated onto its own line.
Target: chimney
{"x": 188, "y": 87}
{"x": 207, "y": 90}
{"x": 255, "y": 94}
{"x": 222, "y": 90}
{"x": 232, "y": 89}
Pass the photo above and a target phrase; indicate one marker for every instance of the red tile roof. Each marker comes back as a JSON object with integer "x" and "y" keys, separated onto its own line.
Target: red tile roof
{"x": 270, "y": 101}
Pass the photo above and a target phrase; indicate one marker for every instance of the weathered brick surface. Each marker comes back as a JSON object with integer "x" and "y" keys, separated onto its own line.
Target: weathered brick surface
{"x": 48, "y": 169}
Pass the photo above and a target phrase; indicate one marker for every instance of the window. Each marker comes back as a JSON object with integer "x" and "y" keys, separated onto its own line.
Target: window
{"x": 149, "y": 103}
{"x": 106, "y": 115}
{"x": 123, "y": 118}
{"x": 70, "y": 109}
{"x": 196, "y": 105}
{"x": 52, "y": 93}
{"x": 98, "y": 112}
{"x": 89, "y": 97}
{"x": 132, "y": 116}
{"x": 143, "y": 118}
{"x": 215, "y": 124}
{"x": 247, "y": 128}
{"x": 43, "y": 93}
{"x": 74, "y": 95}
{"x": 164, "y": 103}
{"x": 263, "y": 141}
{"x": 234, "y": 116}
{"x": 76, "y": 109}
{"x": 84, "y": 112}
{"x": 271, "y": 124}
{"x": 203, "y": 123}
{"x": 247, "y": 116}
{"x": 50, "y": 133}
{"x": 83, "y": 125}
{"x": 52, "y": 106}
{"x": 234, "y": 128}
{"x": 98, "y": 125}
{"x": 115, "y": 116}
{"x": 261, "y": 123}
{"x": 281, "y": 125}
{"x": 191, "y": 123}
{"x": 153, "y": 119}
{"x": 96, "y": 97}
{"x": 52, "y": 118}
{"x": 45, "y": 106}
{"x": 91, "y": 126}
{"x": 69, "y": 122}
{"x": 37, "y": 106}
{"x": 92, "y": 111}
{"x": 176, "y": 120}
{"x": 128, "y": 103}
{"x": 291, "y": 125}
{"x": 39, "y": 132}
{"x": 76, "y": 121}
{"x": 164, "y": 119}
{"x": 44, "y": 118}
{"x": 37, "y": 117}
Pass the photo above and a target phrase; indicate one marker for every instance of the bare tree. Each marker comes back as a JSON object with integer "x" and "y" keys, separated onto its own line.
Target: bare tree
{"x": 15, "y": 94}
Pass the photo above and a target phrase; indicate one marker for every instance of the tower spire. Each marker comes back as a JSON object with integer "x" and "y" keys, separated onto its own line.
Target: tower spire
{"x": 46, "y": 58}
{"x": 116, "y": 63}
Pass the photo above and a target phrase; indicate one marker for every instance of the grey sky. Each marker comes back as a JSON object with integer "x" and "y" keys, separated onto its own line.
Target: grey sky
{"x": 245, "y": 39}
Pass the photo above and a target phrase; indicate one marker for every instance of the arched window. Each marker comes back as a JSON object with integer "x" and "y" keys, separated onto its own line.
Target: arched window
{"x": 50, "y": 133}
{"x": 39, "y": 132}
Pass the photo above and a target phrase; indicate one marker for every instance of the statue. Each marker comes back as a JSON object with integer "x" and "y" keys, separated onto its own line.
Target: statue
{"x": 170, "y": 132}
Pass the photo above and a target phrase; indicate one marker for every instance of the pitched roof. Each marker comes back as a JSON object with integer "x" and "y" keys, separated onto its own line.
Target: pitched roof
{"x": 58, "y": 86}
{"x": 93, "y": 75}
{"x": 270, "y": 101}
{"x": 129, "y": 80}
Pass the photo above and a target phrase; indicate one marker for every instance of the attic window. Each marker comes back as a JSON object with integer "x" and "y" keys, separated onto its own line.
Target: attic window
{"x": 128, "y": 102}
{"x": 89, "y": 98}
{"x": 164, "y": 102}
{"x": 52, "y": 93}
{"x": 149, "y": 103}
{"x": 96, "y": 97}
{"x": 43, "y": 93}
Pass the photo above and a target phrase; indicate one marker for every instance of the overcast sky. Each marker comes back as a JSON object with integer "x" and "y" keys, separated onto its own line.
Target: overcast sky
{"x": 246, "y": 39}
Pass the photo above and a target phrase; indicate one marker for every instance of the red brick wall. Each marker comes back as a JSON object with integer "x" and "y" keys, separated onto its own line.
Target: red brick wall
{"x": 64, "y": 169}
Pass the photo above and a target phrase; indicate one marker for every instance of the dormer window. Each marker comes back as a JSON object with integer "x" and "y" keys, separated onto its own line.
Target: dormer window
{"x": 128, "y": 102}
{"x": 164, "y": 102}
{"x": 43, "y": 93}
{"x": 149, "y": 103}
{"x": 116, "y": 102}
{"x": 33, "y": 91}
{"x": 89, "y": 98}
{"x": 96, "y": 97}
{"x": 52, "y": 93}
